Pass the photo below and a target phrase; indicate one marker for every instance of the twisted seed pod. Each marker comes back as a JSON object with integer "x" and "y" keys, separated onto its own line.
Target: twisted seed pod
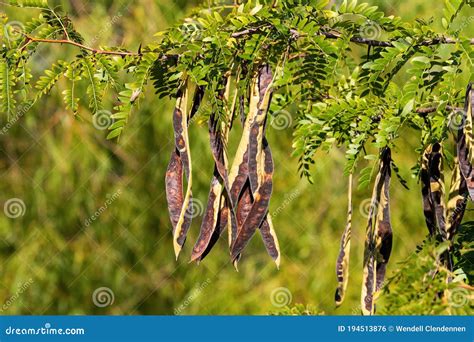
{"x": 378, "y": 243}
{"x": 465, "y": 142}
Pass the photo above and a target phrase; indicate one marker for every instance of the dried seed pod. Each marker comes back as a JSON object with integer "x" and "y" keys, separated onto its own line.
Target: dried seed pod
{"x": 458, "y": 197}
{"x": 210, "y": 220}
{"x": 428, "y": 206}
{"x": 378, "y": 243}
{"x": 251, "y": 174}
{"x": 270, "y": 240}
{"x": 219, "y": 193}
{"x": 342, "y": 264}
{"x": 259, "y": 208}
{"x": 256, "y": 136}
{"x": 465, "y": 142}
{"x": 180, "y": 163}
{"x": 433, "y": 191}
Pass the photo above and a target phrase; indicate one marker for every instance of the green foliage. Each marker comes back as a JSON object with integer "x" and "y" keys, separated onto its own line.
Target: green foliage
{"x": 420, "y": 287}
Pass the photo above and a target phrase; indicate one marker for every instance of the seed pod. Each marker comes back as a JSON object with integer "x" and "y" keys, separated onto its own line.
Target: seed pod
{"x": 210, "y": 220}
{"x": 458, "y": 197}
{"x": 251, "y": 174}
{"x": 428, "y": 206}
{"x": 378, "y": 243}
{"x": 259, "y": 208}
{"x": 433, "y": 191}
{"x": 465, "y": 142}
{"x": 270, "y": 240}
{"x": 256, "y": 136}
{"x": 342, "y": 264}
{"x": 180, "y": 163}
{"x": 219, "y": 194}
{"x": 174, "y": 188}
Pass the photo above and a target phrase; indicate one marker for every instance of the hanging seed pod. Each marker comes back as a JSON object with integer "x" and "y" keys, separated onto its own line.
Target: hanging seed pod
{"x": 342, "y": 264}
{"x": 259, "y": 208}
{"x": 218, "y": 215}
{"x": 433, "y": 191}
{"x": 433, "y": 196}
{"x": 378, "y": 243}
{"x": 252, "y": 172}
{"x": 179, "y": 205}
{"x": 270, "y": 240}
{"x": 458, "y": 197}
{"x": 465, "y": 142}
{"x": 428, "y": 206}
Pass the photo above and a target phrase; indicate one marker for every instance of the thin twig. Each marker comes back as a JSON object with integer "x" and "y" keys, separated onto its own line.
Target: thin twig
{"x": 71, "y": 42}
{"x": 428, "y": 110}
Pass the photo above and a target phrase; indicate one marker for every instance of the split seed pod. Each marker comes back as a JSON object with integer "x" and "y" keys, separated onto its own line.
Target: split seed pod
{"x": 465, "y": 142}
{"x": 378, "y": 243}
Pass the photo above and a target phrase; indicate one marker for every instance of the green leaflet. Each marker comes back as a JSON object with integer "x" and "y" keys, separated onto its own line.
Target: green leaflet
{"x": 465, "y": 142}
{"x": 378, "y": 243}
{"x": 342, "y": 264}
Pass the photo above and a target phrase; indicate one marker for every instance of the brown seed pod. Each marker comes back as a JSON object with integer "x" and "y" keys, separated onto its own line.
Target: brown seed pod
{"x": 342, "y": 264}
{"x": 259, "y": 208}
{"x": 180, "y": 163}
{"x": 457, "y": 202}
{"x": 378, "y": 243}
{"x": 465, "y": 142}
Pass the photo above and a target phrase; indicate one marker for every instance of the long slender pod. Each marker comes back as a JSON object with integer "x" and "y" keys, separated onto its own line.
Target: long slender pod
{"x": 465, "y": 142}
{"x": 342, "y": 264}
{"x": 378, "y": 243}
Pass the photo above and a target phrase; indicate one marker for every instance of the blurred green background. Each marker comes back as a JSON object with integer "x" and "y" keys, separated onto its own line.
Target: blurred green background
{"x": 64, "y": 171}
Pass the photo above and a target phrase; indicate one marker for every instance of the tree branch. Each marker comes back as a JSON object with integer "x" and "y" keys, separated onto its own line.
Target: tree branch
{"x": 359, "y": 40}
{"x": 428, "y": 110}
{"x": 30, "y": 39}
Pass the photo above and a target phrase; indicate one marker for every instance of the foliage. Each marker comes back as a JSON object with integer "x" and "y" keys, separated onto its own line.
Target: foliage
{"x": 419, "y": 285}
